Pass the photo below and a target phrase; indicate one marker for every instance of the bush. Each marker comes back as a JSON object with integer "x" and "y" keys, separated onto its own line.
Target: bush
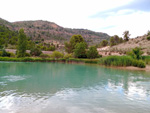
{"x": 121, "y": 61}
{"x": 136, "y": 53}
{"x": 11, "y": 54}
{"x": 0, "y": 53}
{"x": 80, "y": 51}
{"x": 27, "y": 54}
{"x": 148, "y": 38}
{"x": 35, "y": 51}
{"x": 67, "y": 56}
{"x": 92, "y": 53}
{"x": 57, "y": 54}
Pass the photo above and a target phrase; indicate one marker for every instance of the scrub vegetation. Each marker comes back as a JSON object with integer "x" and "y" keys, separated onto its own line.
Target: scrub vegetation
{"x": 75, "y": 50}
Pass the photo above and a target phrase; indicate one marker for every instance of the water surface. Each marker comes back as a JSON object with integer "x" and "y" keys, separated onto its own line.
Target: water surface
{"x": 72, "y": 88}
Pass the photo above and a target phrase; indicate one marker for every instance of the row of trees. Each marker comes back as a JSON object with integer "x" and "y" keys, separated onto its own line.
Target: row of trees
{"x": 114, "y": 40}
{"x": 79, "y": 48}
{"x": 19, "y": 41}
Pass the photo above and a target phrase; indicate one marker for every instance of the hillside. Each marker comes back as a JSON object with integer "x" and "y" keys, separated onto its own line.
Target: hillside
{"x": 39, "y": 29}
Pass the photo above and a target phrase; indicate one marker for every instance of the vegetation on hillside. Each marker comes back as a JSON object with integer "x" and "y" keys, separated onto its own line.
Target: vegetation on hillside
{"x": 77, "y": 49}
{"x": 51, "y": 31}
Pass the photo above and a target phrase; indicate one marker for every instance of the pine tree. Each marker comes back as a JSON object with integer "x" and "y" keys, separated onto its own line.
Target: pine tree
{"x": 22, "y": 44}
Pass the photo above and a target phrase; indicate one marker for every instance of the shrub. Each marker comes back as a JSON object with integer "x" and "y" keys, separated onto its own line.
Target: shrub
{"x": 80, "y": 51}
{"x": 121, "y": 61}
{"x": 92, "y": 53}
{"x": 104, "y": 43}
{"x": 136, "y": 53}
{"x": 57, "y": 54}
{"x": 67, "y": 56}
{"x": 27, "y": 54}
{"x": 0, "y": 53}
{"x": 35, "y": 51}
{"x": 11, "y": 54}
{"x": 148, "y": 38}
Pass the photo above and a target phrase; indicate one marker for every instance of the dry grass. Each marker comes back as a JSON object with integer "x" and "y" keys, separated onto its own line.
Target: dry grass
{"x": 140, "y": 41}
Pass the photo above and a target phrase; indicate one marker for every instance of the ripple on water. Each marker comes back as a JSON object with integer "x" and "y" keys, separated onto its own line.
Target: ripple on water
{"x": 13, "y": 78}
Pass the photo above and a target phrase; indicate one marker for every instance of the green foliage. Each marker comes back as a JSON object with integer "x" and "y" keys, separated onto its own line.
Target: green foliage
{"x": 136, "y": 53}
{"x": 57, "y": 54}
{"x": 148, "y": 33}
{"x": 27, "y": 54}
{"x": 126, "y": 35}
{"x": 44, "y": 55}
{"x": 22, "y": 44}
{"x": 30, "y": 45}
{"x": 67, "y": 56}
{"x": 35, "y": 51}
{"x": 51, "y": 48}
{"x": 146, "y": 59}
{"x": 70, "y": 46}
{"x": 148, "y": 38}
{"x": 104, "y": 43}
{"x": 114, "y": 40}
{"x": 92, "y": 53}
{"x": 121, "y": 61}
{"x": 7, "y": 36}
{"x": 3, "y": 53}
{"x": 80, "y": 50}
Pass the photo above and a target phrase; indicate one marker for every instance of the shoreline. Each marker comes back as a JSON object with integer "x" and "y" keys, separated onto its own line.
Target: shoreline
{"x": 71, "y": 61}
{"x": 147, "y": 68}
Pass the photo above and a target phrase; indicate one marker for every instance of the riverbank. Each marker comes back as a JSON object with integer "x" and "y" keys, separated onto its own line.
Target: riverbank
{"x": 147, "y": 68}
{"x": 70, "y": 61}
{"x": 38, "y": 59}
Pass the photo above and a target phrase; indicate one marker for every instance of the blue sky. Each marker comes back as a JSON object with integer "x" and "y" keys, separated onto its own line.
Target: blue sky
{"x": 109, "y": 16}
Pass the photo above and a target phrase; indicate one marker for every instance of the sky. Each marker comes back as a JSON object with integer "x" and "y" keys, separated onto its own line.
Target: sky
{"x": 109, "y": 16}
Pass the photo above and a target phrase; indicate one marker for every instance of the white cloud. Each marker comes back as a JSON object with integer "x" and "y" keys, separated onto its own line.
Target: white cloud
{"x": 77, "y": 14}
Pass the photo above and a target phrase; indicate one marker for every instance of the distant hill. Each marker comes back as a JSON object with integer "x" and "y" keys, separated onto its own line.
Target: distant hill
{"x": 39, "y": 29}
{"x": 140, "y": 41}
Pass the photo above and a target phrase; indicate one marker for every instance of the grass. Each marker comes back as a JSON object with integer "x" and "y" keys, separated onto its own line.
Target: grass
{"x": 38, "y": 59}
{"x": 146, "y": 59}
{"x": 107, "y": 61}
{"x": 122, "y": 61}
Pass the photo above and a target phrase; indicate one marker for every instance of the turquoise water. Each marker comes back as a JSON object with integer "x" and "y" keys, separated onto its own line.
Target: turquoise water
{"x": 72, "y": 88}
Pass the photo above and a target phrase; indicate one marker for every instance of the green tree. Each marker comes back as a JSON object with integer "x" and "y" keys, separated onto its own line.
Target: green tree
{"x": 136, "y": 53}
{"x": 104, "y": 43}
{"x": 70, "y": 46}
{"x": 22, "y": 44}
{"x": 35, "y": 51}
{"x": 57, "y": 54}
{"x": 112, "y": 41}
{"x": 92, "y": 53}
{"x": 126, "y": 35}
{"x": 80, "y": 50}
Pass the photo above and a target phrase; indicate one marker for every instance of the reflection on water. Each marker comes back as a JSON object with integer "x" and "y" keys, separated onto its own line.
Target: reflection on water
{"x": 72, "y": 88}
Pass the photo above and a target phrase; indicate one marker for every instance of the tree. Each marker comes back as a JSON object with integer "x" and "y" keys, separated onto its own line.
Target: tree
{"x": 116, "y": 38}
{"x": 70, "y": 46}
{"x": 104, "y": 43}
{"x": 92, "y": 53}
{"x": 35, "y": 51}
{"x": 57, "y": 54}
{"x": 126, "y": 35}
{"x": 136, "y": 53}
{"x": 22, "y": 44}
{"x": 112, "y": 41}
{"x": 79, "y": 50}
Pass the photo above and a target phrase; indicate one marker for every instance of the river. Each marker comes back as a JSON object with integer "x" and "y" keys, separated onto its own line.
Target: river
{"x": 72, "y": 88}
